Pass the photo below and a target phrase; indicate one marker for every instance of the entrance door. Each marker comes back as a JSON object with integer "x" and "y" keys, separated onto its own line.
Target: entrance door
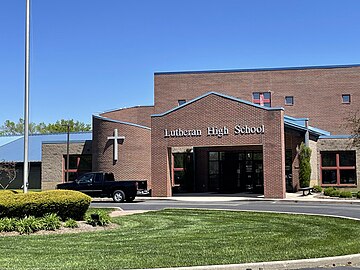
{"x": 182, "y": 172}
{"x": 240, "y": 171}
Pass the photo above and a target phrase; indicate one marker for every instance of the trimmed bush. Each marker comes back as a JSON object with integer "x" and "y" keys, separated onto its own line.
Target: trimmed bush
{"x": 317, "y": 189}
{"x": 65, "y": 203}
{"x": 345, "y": 194}
{"x": 327, "y": 191}
{"x": 358, "y": 195}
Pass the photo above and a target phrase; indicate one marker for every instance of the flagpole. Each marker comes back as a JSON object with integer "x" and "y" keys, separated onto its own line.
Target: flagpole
{"x": 26, "y": 109}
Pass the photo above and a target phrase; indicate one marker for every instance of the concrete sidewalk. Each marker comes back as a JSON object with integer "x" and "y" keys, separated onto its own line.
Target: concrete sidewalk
{"x": 215, "y": 197}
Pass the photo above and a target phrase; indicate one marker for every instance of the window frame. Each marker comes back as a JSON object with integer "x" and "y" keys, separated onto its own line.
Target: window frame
{"x": 292, "y": 101}
{"x": 77, "y": 169}
{"x": 342, "y": 98}
{"x": 338, "y": 168}
{"x": 261, "y": 100}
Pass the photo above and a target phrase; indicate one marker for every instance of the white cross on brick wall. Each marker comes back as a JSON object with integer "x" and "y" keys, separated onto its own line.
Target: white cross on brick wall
{"x": 116, "y": 137}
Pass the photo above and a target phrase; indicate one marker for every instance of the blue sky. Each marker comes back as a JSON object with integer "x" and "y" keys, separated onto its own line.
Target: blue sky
{"x": 95, "y": 55}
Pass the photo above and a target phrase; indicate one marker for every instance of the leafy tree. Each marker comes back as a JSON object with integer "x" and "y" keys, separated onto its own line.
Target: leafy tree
{"x": 304, "y": 165}
{"x": 12, "y": 128}
{"x": 354, "y": 125}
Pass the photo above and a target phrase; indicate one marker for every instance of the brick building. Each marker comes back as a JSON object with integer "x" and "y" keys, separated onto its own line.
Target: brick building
{"x": 234, "y": 131}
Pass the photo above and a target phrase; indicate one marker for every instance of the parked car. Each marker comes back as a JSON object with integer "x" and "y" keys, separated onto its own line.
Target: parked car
{"x": 100, "y": 184}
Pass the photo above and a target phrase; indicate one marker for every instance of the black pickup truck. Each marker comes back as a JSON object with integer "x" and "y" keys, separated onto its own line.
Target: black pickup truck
{"x": 99, "y": 184}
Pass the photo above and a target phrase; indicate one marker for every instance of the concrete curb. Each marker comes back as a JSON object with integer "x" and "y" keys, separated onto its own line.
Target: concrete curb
{"x": 347, "y": 260}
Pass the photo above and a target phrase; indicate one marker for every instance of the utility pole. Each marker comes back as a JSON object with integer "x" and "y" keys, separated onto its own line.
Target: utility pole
{"x": 26, "y": 109}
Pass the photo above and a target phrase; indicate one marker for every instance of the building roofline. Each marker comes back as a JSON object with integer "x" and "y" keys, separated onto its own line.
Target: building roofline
{"x": 119, "y": 109}
{"x": 64, "y": 141}
{"x": 119, "y": 122}
{"x": 256, "y": 69}
{"x": 220, "y": 95}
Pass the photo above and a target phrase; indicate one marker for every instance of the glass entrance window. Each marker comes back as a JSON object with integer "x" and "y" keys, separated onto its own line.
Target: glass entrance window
{"x": 338, "y": 168}
{"x": 78, "y": 165}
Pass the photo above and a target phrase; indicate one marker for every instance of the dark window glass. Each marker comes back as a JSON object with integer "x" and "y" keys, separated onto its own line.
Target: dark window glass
{"x": 179, "y": 160}
{"x": 289, "y": 100}
{"x": 267, "y": 95}
{"x": 267, "y": 104}
{"x": 346, "y": 98}
{"x": 256, "y": 95}
{"x": 347, "y": 176}
{"x": 328, "y": 159}
{"x": 181, "y": 102}
{"x": 85, "y": 163}
{"x": 347, "y": 158}
{"x": 257, "y": 156}
{"x": 178, "y": 177}
{"x": 72, "y": 161}
{"x": 241, "y": 156}
{"x": 249, "y": 156}
{"x": 329, "y": 177}
{"x": 213, "y": 155}
{"x": 72, "y": 176}
{"x": 213, "y": 167}
{"x": 86, "y": 178}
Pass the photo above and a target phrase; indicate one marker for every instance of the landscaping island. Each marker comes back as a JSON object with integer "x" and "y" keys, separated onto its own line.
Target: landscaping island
{"x": 172, "y": 238}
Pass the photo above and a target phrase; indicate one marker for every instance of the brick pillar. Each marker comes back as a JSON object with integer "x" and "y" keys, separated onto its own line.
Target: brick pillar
{"x": 274, "y": 158}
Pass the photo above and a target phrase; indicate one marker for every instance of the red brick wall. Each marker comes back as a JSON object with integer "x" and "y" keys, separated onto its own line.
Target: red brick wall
{"x": 317, "y": 92}
{"x": 216, "y": 111}
{"x": 134, "y": 153}
{"x": 138, "y": 115}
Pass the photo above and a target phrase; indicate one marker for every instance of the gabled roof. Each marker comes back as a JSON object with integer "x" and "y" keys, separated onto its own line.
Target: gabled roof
{"x": 290, "y": 122}
{"x": 220, "y": 95}
{"x": 14, "y": 149}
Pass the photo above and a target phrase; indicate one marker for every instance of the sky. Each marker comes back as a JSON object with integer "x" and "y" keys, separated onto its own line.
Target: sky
{"x": 90, "y": 56}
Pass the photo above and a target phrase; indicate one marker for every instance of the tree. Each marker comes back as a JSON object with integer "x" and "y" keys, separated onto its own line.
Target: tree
{"x": 7, "y": 173}
{"x": 353, "y": 122}
{"x": 11, "y": 128}
{"x": 304, "y": 165}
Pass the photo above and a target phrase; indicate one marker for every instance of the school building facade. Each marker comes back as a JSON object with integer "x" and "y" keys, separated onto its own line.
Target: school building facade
{"x": 233, "y": 131}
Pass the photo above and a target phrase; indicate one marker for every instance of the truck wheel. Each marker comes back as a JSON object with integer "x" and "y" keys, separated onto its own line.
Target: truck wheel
{"x": 118, "y": 196}
{"x": 130, "y": 199}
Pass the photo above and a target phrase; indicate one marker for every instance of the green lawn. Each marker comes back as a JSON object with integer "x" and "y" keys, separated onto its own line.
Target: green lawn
{"x": 172, "y": 238}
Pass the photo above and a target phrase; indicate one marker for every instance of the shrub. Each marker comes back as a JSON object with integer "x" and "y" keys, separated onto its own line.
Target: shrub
{"x": 304, "y": 165}
{"x": 358, "y": 195}
{"x": 98, "y": 218}
{"x": 65, "y": 203}
{"x": 50, "y": 222}
{"x": 335, "y": 193}
{"x": 327, "y": 191}
{"x": 70, "y": 223}
{"x": 317, "y": 189}
{"x": 28, "y": 225}
{"x": 345, "y": 194}
{"x": 7, "y": 224}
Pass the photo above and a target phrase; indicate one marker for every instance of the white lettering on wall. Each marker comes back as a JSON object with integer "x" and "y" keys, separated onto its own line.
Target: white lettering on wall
{"x": 219, "y": 132}
{"x": 242, "y": 130}
{"x": 182, "y": 133}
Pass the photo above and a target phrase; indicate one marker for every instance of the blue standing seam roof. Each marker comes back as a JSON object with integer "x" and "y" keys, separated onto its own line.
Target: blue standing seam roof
{"x": 14, "y": 150}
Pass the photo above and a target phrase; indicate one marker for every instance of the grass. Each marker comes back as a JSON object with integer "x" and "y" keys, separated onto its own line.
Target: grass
{"x": 171, "y": 238}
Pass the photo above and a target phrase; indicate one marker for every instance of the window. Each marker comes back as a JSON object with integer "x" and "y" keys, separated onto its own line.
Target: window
{"x": 78, "y": 165}
{"x": 262, "y": 98}
{"x": 181, "y": 102}
{"x": 338, "y": 168}
{"x": 289, "y": 100}
{"x": 346, "y": 98}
